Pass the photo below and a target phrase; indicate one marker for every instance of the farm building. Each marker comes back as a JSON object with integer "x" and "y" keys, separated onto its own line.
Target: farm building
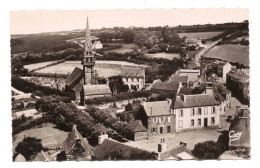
{"x": 139, "y": 132}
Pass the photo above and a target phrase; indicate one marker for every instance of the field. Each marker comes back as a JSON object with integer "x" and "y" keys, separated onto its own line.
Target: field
{"x": 125, "y": 48}
{"x": 201, "y": 35}
{"x": 104, "y": 68}
{"x": 50, "y": 136}
{"x": 231, "y": 53}
{"x": 168, "y": 56}
{"x": 32, "y": 67}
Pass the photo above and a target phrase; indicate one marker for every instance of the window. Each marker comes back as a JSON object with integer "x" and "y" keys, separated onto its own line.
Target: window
{"x": 206, "y": 110}
{"x": 153, "y": 130}
{"x": 169, "y": 119}
{"x": 181, "y": 113}
{"x": 132, "y": 79}
{"x": 162, "y": 119}
{"x": 127, "y": 79}
{"x": 199, "y": 122}
{"x": 192, "y": 112}
{"x": 137, "y": 79}
{"x": 213, "y": 110}
{"x": 154, "y": 120}
{"x": 192, "y": 123}
{"x": 199, "y": 111}
{"x": 212, "y": 120}
{"x": 180, "y": 123}
{"x": 168, "y": 129}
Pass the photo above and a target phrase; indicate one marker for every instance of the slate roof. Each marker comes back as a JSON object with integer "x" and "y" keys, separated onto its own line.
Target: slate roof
{"x": 177, "y": 79}
{"x": 185, "y": 91}
{"x": 137, "y": 126}
{"x": 165, "y": 86}
{"x": 20, "y": 158}
{"x": 150, "y": 86}
{"x": 179, "y": 153}
{"x": 199, "y": 100}
{"x": 157, "y": 108}
{"x": 96, "y": 90}
{"x": 110, "y": 145}
{"x": 75, "y": 76}
{"x": 71, "y": 139}
{"x": 239, "y": 76}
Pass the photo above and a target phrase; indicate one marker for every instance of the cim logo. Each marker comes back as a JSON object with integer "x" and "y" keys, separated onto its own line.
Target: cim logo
{"x": 234, "y": 136}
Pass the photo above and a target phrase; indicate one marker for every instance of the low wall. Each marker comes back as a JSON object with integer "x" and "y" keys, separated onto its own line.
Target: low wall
{"x": 119, "y": 104}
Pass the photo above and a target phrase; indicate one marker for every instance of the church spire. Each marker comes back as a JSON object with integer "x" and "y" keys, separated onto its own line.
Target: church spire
{"x": 88, "y": 44}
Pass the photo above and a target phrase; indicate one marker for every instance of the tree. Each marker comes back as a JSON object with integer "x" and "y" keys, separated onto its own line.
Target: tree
{"x": 128, "y": 36}
{"x": 129, "y": 107}
{"x": 29, "y": 147}
{"x": 61, "y": 156}
{"x": 208, "y": 150}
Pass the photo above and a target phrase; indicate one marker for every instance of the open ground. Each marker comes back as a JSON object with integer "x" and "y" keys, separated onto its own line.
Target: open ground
{"x": 200, "y": 35}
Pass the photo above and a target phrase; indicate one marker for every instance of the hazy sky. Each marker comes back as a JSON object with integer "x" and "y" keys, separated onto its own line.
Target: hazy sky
{"x": 38, "y": 21}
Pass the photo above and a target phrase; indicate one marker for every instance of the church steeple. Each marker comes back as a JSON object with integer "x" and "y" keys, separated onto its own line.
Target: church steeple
{"x": 88, "y": 44}
{"x": 88, "y": 61}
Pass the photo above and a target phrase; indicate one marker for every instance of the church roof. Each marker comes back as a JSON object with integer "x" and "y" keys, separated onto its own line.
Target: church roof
{"x": 96, "y": 89}
{"x": 75, "y": 76}
{"x": 73, "y": 136}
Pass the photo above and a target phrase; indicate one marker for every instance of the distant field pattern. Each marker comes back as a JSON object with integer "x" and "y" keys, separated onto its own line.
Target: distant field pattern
{"x": 168, "y": 56}
{"x": 231, "y": 53}
{"x": 32, "y": 67}
{"x": 200, "y": 35}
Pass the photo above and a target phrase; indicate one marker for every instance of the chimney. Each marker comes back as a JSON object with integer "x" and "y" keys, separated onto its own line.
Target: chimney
{"x": 102, "y": 137}
{"x": 169, "y": 101}
{"x": 183, "y": 143}
{"x": 162, "y": 146}
{"x": 183, "y": 98}
{"x": 74, "y": 126}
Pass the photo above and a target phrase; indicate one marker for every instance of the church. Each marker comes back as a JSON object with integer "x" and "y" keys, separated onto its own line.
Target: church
{"x": 83, "y": 81}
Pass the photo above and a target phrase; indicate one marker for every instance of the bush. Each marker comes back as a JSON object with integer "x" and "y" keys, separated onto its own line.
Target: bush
{"x": 208, "y": 150}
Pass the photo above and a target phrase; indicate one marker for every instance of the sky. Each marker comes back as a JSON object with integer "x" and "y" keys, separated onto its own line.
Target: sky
{"x": 38, "y": 21}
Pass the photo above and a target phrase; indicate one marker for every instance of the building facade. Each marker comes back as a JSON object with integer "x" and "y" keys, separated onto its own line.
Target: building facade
{"x": 134, "y": 77}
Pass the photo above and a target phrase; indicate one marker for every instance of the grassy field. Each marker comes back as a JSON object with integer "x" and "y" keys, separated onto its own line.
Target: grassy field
{"x": 125, "y": 48}
{"x": 103, "y": 68}
{"x": 32, "y": 67}
{"x": 231, "y": 53}
{"x": 168, "y": 56}
{"x": 201, "y": 35}
{"x": 50, "y": 136}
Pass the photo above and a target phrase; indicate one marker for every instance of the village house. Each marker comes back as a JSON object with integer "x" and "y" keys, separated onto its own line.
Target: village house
{"x": 186, "y": 112}
{"x": 166, "y": 89}
{"x": 107, "y": 147}
{"x": 139, "y": 132}
{"x": 238, "y": 83}
{"x": 134, "y": 77}
{"x": 221, "y": 93}
{"x": 180, "y": 152}
{"x": 150, "y": 85}
{"x": 193, "y": 77}
{"x": 75, "y": 142}
{"x": 196, "y": 112}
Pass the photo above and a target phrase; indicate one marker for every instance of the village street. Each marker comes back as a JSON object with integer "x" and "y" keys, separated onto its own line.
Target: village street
{"x": 189, "y": 137}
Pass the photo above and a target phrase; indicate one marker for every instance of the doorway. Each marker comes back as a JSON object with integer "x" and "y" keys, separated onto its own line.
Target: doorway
{"x": 205, "y": 122}
{"x": 161, "y": 130}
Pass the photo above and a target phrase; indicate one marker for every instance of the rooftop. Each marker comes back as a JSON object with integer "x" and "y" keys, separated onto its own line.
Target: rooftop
{"x": 195, "y": 101}
{"x": 165, "y": 86}
{"x": 96, "y": 89}
{"x": 74, "y": 77}
{"x": 178, "y": 153}
{"x": 137, "y": 126}
{"x": 177, "y": 79}
{"x": 157, "y": 108}
{"x": 239, "y": 75}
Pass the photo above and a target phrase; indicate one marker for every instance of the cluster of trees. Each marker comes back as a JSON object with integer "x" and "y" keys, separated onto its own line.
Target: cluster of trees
{"x": 28, "y": 147}
{"x": 118, "y": 97}
{"x": 208, "y": 150}
{"x": 29, "y": 87}
{"x": 64, "y": 114}
{"x": 126, "y": 35}
{"x": 107, "y": 120}
{"x": 116, "y": 85}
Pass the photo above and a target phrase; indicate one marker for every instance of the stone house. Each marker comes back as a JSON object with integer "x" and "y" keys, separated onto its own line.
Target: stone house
{"x": 139, "y": 132}
{"x": 134, "y": 77}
